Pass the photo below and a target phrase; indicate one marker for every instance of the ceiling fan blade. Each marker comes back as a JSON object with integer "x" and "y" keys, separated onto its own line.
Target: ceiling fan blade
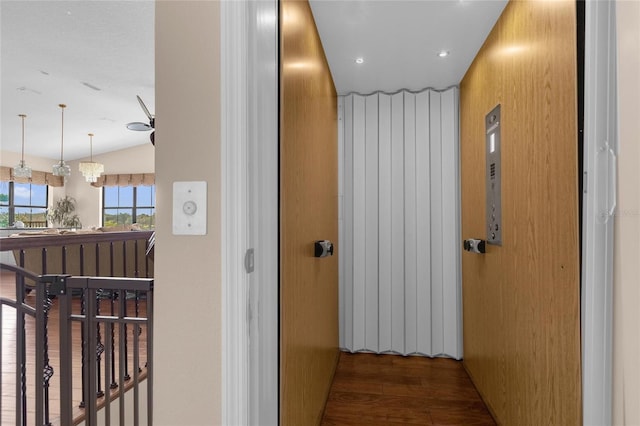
{"x": 144, "y": 108}
{"x": 140, "y": 127}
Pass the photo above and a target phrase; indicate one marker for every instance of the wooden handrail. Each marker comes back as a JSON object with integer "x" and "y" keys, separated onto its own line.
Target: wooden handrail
{"x": 111, "y": 254}
{"x": 37, "y": 241}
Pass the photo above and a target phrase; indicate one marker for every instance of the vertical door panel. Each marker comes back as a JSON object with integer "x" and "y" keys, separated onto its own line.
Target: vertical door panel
{"x": 423, "y": 224}
{"x": 384, "y": 217}
{"x": 371, "y": 222}
{"x": 347, "y": 251}
{"x": 410, "y": 240}
{"x": 437, "y": 337}
{"x": 359, "y": 211}
{"x": 397, "y": 223}
{"x": 451, "y": 294}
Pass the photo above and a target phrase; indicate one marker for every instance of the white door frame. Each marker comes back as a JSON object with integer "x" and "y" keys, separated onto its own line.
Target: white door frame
{"x": 249, "y": 104}
{"x": 240, "y": 76}
{"x": 599, "y": 203}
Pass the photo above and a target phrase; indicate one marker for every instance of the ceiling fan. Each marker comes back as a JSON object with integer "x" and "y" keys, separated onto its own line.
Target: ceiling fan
{"x": 143, "y": 127}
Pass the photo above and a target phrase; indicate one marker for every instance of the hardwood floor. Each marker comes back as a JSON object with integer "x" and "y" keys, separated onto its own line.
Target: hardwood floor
{"x": 367, "y": 389}
{"x": 7, "y": 414}
{"x": 374, "y": 390}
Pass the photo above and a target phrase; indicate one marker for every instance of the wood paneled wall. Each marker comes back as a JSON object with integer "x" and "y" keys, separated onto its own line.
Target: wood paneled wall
{"x": 308, "y": 212}
{"x": 522, "y": 300}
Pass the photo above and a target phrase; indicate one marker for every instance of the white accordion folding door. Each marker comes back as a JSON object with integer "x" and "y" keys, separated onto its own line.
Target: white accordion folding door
{"x": 400, "y": 280}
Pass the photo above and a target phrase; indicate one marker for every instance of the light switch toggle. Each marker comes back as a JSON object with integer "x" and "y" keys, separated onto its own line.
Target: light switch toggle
{"x": 190, "y": 208}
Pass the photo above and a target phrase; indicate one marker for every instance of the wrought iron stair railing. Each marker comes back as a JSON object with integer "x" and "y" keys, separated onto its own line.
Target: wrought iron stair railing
{"x": 111, "y": 318}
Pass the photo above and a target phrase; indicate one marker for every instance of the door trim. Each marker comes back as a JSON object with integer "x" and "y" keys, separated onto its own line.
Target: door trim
{"x": 249, "y": 172}
{"x": 600, "y": 149}
{"x": 235, "y": 339}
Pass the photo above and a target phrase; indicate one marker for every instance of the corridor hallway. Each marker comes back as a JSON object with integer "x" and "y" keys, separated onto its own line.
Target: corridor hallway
{"x": 376, "y": 390}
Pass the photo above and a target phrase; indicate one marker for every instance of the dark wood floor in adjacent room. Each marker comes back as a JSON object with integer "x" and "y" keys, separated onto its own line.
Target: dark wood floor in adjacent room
{"x": 373, "y": 390}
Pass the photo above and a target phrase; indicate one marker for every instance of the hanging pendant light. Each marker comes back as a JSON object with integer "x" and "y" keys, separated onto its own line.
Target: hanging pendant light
{"x": 62, "y": 169}
{"x": 91, "y": 170}
{"x": 22, "y": 170}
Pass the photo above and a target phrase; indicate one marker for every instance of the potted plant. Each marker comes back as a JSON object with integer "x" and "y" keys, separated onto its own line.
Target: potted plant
{"x": 62, "y": 213}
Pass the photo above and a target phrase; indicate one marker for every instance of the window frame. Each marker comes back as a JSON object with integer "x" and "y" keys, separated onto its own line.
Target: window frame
{"x": 11, "y": 204}
{"x": 134, "y": 208}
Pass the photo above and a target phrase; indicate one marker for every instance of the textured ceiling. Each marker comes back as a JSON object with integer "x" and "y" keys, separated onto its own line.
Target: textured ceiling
{"x": 96, "y": 56}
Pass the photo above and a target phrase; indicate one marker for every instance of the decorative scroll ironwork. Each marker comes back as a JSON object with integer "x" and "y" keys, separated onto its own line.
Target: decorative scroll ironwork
{"x": 48, "y": 369}
{"x": 114, "y": 382}
{"x": 99, "y": 349}
{"x": 55, "y": 293}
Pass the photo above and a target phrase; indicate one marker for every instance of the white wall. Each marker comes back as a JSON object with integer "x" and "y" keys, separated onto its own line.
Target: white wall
{"x": 187, "y": 347}
{"x": 138, "y": 159}
{"x": 626, "y": 285}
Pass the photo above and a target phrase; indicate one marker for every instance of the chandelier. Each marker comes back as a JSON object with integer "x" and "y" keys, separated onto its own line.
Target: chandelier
{"x": 22, "y": 170}
{"x": 91, "y": 170}
{"x": 62, "y": 168}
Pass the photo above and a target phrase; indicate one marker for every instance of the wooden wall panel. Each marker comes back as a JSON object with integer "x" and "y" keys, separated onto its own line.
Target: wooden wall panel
{"x": 308, "y": 212}
{"x": 521, "y": 300}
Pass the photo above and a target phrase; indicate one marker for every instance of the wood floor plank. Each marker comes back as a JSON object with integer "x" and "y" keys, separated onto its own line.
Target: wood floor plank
{"x": 371, "y": 389}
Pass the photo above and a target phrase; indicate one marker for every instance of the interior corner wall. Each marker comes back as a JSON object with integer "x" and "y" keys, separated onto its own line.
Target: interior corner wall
{"x": 188, "y": 280}
{"x": 521, "y": 300}
{"x": 400, "y": 288}
{"x": 626, "y": 349}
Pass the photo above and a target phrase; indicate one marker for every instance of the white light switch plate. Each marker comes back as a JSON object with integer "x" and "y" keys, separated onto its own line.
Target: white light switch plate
{"x": 189, "y": 208}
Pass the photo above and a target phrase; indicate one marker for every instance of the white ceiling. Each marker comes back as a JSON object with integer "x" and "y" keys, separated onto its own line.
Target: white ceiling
{"x": 400, "y": 40}
{"x": 56, "y": 52}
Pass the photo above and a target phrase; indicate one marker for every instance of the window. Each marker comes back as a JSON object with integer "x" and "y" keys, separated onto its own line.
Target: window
{"x": 23, "y": 202}
{"x": 125, "y": 205}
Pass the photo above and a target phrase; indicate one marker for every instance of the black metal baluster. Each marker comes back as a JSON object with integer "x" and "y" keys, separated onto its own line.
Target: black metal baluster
{"x": 83, "y": 312}
{"x": 114, "y": 382}
{"x": 127, "y": 377}
{"x": 137, "y": 311}
{"x": 22, "y": 344}
{"x": 99, "y": 348}
{"x": 48, "y": 369}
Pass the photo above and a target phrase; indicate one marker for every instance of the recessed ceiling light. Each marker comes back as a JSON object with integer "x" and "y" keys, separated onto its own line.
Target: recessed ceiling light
{"x": 443, "y": 53}
{"x": 359, "y": 61}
